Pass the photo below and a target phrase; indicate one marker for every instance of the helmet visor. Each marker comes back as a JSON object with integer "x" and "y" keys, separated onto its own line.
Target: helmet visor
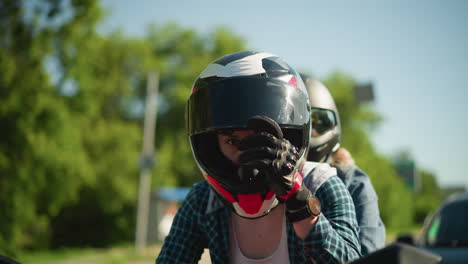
{"x": 231, "y": 102}
{"x": 323, "y": 120}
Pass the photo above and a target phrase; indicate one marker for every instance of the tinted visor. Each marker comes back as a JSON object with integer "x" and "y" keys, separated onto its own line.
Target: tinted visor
{"x": 229, "y": 103}
{"x": 323, "y": 120}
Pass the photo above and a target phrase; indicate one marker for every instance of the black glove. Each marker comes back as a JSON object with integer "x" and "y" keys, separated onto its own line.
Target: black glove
{"x": 269, "y": 156}
{"x": 273, "y": 159}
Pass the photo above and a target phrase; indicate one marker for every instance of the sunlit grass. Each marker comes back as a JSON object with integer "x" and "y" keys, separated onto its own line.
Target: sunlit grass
{"x": 117, "y": 255}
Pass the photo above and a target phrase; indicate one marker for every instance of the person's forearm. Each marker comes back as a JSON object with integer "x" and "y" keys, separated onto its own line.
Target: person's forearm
{"x": 337, "y": 243}
{"x": 303, "y": 227}
{"x": 336, "y": 229}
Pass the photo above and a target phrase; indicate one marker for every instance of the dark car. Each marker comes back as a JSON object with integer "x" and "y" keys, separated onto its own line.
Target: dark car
{"x": 446, "y": 232}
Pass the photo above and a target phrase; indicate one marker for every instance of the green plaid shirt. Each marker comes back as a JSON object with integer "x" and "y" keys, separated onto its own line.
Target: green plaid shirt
{"x": 202, "y": 222}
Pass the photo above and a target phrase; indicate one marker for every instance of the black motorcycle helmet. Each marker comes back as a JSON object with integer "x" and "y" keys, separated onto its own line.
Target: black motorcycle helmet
{"x": 326, "y": 128}
{"x": 230, "y": 91}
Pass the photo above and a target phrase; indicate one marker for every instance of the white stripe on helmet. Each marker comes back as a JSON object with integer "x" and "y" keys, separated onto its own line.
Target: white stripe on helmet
{"x": 246, "y": 66}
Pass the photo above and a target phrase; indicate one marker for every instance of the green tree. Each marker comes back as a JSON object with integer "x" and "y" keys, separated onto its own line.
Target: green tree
{"x": 68, "y": 155}
{"x": 42, "y": 161}
{"x": 426, "y": 193}
{"x": 428, "y": 199}
{"x": 71, "y": 129}
{"x": 112, "y": 141}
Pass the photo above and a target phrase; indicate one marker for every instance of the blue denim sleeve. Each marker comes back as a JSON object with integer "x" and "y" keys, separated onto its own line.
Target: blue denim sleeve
{"x": 372, "y": 229}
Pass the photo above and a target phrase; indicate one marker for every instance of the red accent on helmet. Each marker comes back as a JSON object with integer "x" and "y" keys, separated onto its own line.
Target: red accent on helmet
{"x": 250, "y": 203}
{"x": 297, "y": 185}
{"x": 269, "y": 195}
{"x": 194, "y": 89}
{"x": 293, "y": 81}
{"x": 220, "y": 189}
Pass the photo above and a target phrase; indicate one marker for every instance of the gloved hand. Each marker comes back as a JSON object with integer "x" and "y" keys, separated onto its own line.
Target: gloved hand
{"x": 268, "y": 155}
{"x": 274, "y": 158}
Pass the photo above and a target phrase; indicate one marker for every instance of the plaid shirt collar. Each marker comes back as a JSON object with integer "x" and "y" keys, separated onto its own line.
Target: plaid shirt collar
{"x": 214, "y": 203}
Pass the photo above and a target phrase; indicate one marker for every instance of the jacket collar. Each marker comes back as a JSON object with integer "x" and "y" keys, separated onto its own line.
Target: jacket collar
{"x": 214, "y": 203}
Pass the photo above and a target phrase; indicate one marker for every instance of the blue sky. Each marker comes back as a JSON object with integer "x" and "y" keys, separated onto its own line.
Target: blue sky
{"x": 415, "y": 53}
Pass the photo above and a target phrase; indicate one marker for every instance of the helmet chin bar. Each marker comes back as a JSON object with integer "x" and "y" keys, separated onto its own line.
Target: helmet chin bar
{"x": 327, "y": 158}
{"x": 321, "y": 153}
{"x": 254, "y": 205}
{"x": 265, "y": 209}
{"x": 249, "y": 204}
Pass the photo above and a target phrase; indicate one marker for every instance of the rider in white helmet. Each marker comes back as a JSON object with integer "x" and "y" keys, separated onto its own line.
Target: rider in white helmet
{"x": 325, "y": 147}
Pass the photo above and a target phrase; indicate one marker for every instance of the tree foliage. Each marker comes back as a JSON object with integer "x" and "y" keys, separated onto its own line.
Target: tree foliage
{"x": 42, "y": 160}
{"x": 428, "y": 199}
{"x": 71, "y": 128}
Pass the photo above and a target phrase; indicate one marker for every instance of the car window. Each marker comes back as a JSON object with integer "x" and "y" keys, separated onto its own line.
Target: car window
{"x": 433, "y": 230}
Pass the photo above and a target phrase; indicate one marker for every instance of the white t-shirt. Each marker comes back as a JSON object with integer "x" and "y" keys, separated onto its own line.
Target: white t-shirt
{"x": 280, "y": 256}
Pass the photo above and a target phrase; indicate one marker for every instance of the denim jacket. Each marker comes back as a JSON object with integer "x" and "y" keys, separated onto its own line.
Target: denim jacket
{"x": 372, "y": 229}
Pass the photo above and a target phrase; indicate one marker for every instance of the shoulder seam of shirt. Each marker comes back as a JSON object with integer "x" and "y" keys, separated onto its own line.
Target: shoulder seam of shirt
{"x": 316, "y": 174}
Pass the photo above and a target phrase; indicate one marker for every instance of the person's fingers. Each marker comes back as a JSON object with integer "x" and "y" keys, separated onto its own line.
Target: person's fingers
{"x": 342, "y": 158}
{"x": 254, "y": 171}
{"x": 258, "y": 140}
{"x": 257, "y": 154}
